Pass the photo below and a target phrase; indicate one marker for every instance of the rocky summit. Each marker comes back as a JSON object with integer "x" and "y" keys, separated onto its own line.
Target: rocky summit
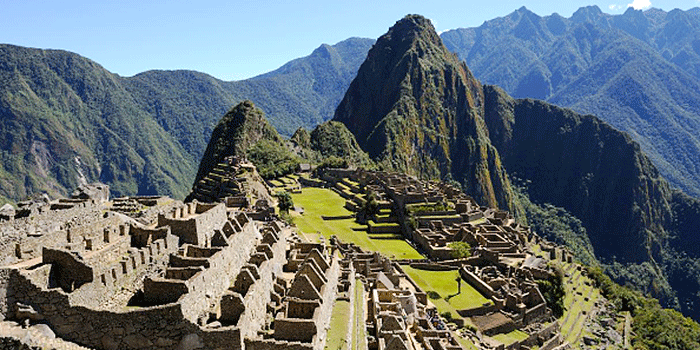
{"x": 415, "y": 107}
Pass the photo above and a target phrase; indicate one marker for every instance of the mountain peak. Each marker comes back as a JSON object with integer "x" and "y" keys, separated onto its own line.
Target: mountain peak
{"x": 587, "y": 14}
{"x": 415, "y": 107}
{"x": 412, "y": 28}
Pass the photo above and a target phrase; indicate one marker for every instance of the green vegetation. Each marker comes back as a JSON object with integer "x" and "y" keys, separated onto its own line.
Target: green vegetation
{"x": 332, "y": 141}
{"x": 318, "y": 202}
{"x": 64, "y": 117}
{"x": 427, "y": 207}
{"x": 553, "y": 291}
{"x": 556, "y": 224}
{"x": 444, "y": 284}
{"x": 335, "y": 339}
{"x": 428, "y": 129}
{"x": 142, "y": 134}
{"x": 333, "y": 162}
{"x": 510, "y": 337}
{"x": 272, "y": 159}
{"x": 244, "y": 132}
{"x": 654, "y": 326}
{"x": 538, "y": 60}
{"x": 460, "y": 249}
{"x": 658, "y": 328}
{"x": 284, "y": 201}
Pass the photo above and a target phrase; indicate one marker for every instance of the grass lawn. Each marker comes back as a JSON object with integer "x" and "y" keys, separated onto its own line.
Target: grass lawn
{"x": 276, "y": 183}
{"x": 319, "y": 202}
{"x": 466, "y": 343}
{"x": 511, "y": 337}
{"x": 359, "y": 334}
{"x": 335, "y": 340}
{"x": 444, "y": 283}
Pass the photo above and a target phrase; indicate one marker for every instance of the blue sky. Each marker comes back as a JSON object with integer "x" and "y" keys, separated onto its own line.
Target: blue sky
{"x": 234, "y": 40}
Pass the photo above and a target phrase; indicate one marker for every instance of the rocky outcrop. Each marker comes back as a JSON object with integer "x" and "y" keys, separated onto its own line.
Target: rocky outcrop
{"x": 600, "y": 175}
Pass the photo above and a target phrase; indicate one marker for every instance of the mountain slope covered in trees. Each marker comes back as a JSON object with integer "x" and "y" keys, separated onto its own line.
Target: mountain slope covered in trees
{"x": 410, "y": 102}
{"x": 66, "y": 120}
{"x": 639, "y": 71}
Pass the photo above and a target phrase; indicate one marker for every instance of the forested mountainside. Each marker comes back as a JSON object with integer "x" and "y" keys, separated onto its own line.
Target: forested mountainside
{"x": 65, "y": 119}
{"x": 639, "y": 71}
{"x": 413, "y": 109}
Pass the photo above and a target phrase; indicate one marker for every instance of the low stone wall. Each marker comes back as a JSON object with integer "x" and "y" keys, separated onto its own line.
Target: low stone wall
{"x": 476, "y": 282}
{"x": 433, "y": 267}
{"x": 478, "y": 311}
{"x": 271, "y": 344}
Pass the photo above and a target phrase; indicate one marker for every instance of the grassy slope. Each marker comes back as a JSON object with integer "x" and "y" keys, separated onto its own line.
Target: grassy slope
{"x": 444, "y": 283}
{"x": 319, "y": 202}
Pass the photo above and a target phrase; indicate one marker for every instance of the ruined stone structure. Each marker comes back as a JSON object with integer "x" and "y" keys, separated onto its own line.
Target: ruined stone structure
{"x": 434, "y": 215}
{"x": 398, "y": 314}
{"x": 233, "y": 181}
{"x": 150, "y": 272}
{"x": 184, "y": 276}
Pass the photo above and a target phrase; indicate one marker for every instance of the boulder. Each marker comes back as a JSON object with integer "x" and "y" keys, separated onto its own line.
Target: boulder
{"x": 98, "y": 192}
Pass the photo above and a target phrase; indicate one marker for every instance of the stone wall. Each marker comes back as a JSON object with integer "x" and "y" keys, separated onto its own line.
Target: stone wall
{"x": 258, "y": 295}
{"x": 195, "y": 227}
{"x": 23, "y": 238}
{"x": 157, "y": 327}
{"x": 207, "y": 286}
{"x": 148, "y": 328}
{"x": 476, "y": 282}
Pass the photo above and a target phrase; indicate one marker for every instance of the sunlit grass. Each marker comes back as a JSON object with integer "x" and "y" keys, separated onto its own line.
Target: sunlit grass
{"x": 318, "y": 202}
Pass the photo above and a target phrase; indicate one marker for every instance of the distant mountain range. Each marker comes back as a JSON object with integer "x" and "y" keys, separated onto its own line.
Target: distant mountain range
{"x": 64, "y": 119}
{"x": 639, "y": 71}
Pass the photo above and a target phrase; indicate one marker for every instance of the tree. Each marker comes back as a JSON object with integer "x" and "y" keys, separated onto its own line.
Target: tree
{"x": 553, "y": 291}
{"x": 284, "y": 201}
{"x": 460, "y": 249}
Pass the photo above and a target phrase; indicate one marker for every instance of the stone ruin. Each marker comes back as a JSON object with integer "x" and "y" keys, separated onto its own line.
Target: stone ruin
{"x": 181, "y": 276}
{"x": 501, "y": 268}
{"x": 150, "y": 272}
{"x": 398, "y": 315}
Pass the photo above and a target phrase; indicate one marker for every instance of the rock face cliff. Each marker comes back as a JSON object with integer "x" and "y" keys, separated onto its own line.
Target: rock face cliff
{"x": 642, "y": 229}
{"x": 414, "y": 107}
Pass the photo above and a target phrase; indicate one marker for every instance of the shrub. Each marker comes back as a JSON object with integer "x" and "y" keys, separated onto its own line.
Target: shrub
{"x": 284, "y": 201}
{"x": 447, "y": 315}
{"x": 460, "y": 249}
{"x": 432, "y": 294}
{"x": 553, "y": 291}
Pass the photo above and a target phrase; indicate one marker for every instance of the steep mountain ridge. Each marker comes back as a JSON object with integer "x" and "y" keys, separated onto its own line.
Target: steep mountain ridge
{"x": 640, "y": 228}
{"x": 66, "y": 120}
{"x": 639, "y": 71}
{"x": 414, "y": 107}
{"x": 578, "y": 163}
